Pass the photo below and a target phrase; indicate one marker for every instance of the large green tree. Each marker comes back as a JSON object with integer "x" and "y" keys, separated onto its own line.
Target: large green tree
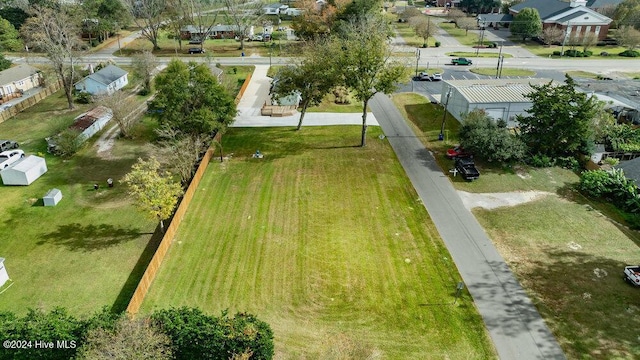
{"x": 489, "y": 139}
{"x": 190, "y": 99}
{"x": 313, "y": 77}
{"x": 424, "y": 27}
{"x": 155, "y": 192}
{"x": 364, "y": 57}
{"x": 560, "y": 120}
{"x": 526, "y": 24}
{"x": 148, "y": 16}
{"x": 9, "y": 37}
{"x": 4, "y": 63}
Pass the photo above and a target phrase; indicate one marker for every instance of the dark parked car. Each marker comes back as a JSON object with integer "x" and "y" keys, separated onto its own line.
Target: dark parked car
{"x": 467, "y": 168}
{"x": 458, "y": 151}
{"x": 7, "y": 145}
{"x": 196, "y": 51}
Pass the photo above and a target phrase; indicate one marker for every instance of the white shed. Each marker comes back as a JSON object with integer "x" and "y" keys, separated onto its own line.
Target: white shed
{"x": 499, "y": 98}
{"x": 25, "y": 171}
{"x": 3, "y": 273}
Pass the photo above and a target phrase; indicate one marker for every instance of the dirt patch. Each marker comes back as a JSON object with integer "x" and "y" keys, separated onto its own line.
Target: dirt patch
{"x": 495, "y": 200}
{"x": 106, "y": 141}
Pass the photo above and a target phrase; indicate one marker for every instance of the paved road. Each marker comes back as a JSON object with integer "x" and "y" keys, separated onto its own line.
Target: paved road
{"x": 514, "y": 324}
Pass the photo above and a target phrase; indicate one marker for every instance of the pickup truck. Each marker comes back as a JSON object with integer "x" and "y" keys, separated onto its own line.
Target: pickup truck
{"x": 9, "y": 157}
{"x": 632, "y": 274}
{"x": 461, "y": 61}
{"x": 467, "y": 168}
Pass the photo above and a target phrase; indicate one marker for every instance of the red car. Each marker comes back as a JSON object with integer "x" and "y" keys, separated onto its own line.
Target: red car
{"x": 458, "y": 151}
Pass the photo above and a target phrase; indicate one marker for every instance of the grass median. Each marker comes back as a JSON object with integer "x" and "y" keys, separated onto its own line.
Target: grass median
{"x": 326, "y": 241}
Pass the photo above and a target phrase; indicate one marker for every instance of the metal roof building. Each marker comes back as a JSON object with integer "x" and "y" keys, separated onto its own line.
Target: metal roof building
{"x": 500, "y": 98}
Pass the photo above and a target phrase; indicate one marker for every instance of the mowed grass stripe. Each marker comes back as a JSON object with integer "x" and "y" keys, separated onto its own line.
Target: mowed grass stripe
{"x": 327, "y": 242}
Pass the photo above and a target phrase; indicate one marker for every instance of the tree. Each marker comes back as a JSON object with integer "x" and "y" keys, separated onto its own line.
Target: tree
{"x": 312, "y": 78}
{"x": 9, "y": 37}
{"x": 179, "y": 14}
{"x": 242, "y": 14}
{"x": 424, "y": 27}
{"x": 144, "y": 65}
{"x": 552, "y": 35}
{"x": 196, "y": 335}
{"x": 504, "y": 9}
{"x": 628, "y": 37}
{"x": 526, "y": 24}
{"x": 467, "y": 23}
{"x": 589, "y": 40}
{"x": 123, "y": 108}
{"x": 131, "y": 339}
{"x": 181, "y": 152}
{"x": 147, "y": 15}
{"x": 316, "y": 21}
{"x": 53, "y": 32}
{"x": 559, "y": 121}
{"x": 487, "y": 139}
{"x": 479, "y": 6}
{"x": 628, "y": 13}
{"x": 455, "y": 14}
{"x": 155, "y": 191}
{"x": 4, "y": 63}
{"x": 408, "y": 13}
{"x": 366, "y": 63}
{"x": 190, "y": 99}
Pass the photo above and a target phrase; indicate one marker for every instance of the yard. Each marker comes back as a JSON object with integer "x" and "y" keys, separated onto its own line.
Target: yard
{"x": 567, "y": 252}
{"x": 327, "y": 242}
{"x": 89, "y": 250}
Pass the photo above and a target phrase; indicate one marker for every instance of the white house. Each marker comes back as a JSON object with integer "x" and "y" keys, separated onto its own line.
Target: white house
{"x": 499, "y": 98}
{"x": 24, "y": 171}
{"x": 17, "y": 79}
{"x": 274, "y": 9}
{"x": 106, "y": 80}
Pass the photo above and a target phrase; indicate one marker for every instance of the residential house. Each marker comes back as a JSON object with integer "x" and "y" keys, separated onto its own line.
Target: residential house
{"x": 274, "y": 9}
{"x": 192, "y": 32}
{"x": 107, "y": 80}
{"x": 575, "y": 18}
{"x": 499, "y": 98}
{"x": 18, "y": 79}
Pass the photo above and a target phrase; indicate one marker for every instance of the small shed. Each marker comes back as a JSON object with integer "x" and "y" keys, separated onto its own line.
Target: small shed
{"x": 4, "y": 277}
{"x": 24, "y": 171}
{"x": 52, "y": 198}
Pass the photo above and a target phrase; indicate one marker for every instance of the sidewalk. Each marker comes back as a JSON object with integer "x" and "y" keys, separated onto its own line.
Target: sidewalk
{"x": 257, "y": 93}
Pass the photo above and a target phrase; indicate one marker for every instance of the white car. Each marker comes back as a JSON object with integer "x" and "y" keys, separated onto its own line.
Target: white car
{"x": 9, "y": 157}
{"x": 436, "y": 77}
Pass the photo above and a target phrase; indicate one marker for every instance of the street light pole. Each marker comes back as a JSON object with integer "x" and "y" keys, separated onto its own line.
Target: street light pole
{"x": 444, "y": 116}
{"x": 417, "y": 59}
{"x": 499, "y": 58}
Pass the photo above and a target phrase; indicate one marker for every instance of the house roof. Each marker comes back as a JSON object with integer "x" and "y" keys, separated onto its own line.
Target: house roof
{"x": 106, "y": 75}
{"x": 546, "y": 8}
{"x": 17, "y": 73}
{"x": 570, "y": 17}
{"x": 599, "y": 4}
{"x": 495, "y": 90}
{"x": 631, "y": 169}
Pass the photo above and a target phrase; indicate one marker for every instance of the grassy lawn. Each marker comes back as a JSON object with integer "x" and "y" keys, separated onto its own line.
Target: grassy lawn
{"x": 409, "y": 35}
{"x": 89, "y": 250}
{"x": 568, "y": 256}
{"x": 469, "y": 39}
{"x": 505, "y": 72}
{"x": 547, "y": 51}
{"x": 582, "y": 74}
{"x": 480, "y": 54}
{"x": 327, "y": 242}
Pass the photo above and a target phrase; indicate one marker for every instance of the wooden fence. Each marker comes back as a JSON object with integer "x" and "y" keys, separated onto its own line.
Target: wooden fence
{"x": 167, "y": 239}
{"x": 28, "y": 102}
{"x": 150, "y": 273}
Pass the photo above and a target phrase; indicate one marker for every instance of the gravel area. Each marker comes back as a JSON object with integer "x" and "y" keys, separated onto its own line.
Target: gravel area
{"x": 495, "y": 200}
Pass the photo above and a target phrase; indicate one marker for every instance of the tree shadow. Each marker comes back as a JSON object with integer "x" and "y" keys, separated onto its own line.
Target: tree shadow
{"x": 78, "y": 237}
{"x": 582, "y": 297}
{"x": 129, "y": 287}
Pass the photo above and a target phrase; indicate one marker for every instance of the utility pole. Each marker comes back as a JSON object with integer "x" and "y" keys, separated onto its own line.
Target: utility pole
{"x": 481, "y": 24}
{"x": 417, "y": 59}
{"x": 444, "y": 116}
{"x": 499, "y": 58}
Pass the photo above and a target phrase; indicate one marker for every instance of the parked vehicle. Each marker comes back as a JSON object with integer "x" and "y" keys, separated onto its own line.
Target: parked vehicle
{"x": 436, "y": 77}
{"x": 9, "y": 157}
{"x": 467, "y": 168}
{"x": 632, "y": 274}
{"x": 196, "y": 51}
{"x": 422, "y": 76}
{"x": 257, "y": 37}
{"x": 8, "y": 145}
{"x": 461, "y": 61}
{"x": 458, "y": 151}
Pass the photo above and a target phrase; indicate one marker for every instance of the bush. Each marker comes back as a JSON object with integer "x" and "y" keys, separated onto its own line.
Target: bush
{"x": 438, "y": 44}
{"x": 630, "y": 53}
{"x": 604, "y": 53}
{"x": 587, "y": 53}
{"x": 84, "y": 97}
{"x": 557, "y": 53}
{"x": 568, "y": 163}
{"x": 341, "y": 95}
{"x": 541, "y": 161}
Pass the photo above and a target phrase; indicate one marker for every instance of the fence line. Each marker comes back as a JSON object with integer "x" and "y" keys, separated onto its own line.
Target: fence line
{"x": 29, "y": 102}
{"x": 167, "y": 239}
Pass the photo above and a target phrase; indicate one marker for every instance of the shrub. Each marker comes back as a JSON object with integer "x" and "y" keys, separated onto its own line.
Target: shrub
{"x": 341, "y": 95}
{"x": 557, "y": 53}
{"x": 587, "y": 53}
{"x": 438, "y": 44}
{"x": 611, "y": 161}
{"x": 630, "y": 53}
{"x": 604, "y": 53}
{"x": 84, "y": 97}
{"x": 568, "y": 163}
{"x": 541, "y": 161}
